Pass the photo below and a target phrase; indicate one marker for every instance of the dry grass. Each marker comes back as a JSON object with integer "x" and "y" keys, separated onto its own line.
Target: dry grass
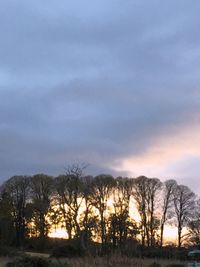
{"x": 116, "y": 261}
{"x": 34, "y": 254}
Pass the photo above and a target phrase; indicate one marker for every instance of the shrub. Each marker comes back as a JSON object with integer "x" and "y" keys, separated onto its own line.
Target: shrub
{"x": 29, "y": 261}
{"x": 67, "y": 251}
{"x": 70, "y": 249}
{"x": 8, "y": 251}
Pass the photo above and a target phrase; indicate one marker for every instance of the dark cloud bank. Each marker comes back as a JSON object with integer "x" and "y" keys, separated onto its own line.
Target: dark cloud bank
{"x": 97, "y": 81}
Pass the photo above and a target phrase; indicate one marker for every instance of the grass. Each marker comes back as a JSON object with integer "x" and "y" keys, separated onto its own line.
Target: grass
{"x": 114, "y": 261}
{"x": 45, "y": 255}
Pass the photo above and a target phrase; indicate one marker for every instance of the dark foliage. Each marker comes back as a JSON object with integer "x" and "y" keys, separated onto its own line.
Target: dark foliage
{"x": 8, "y": 251}
{"x": 70, "y": 249}
{"x": 29, "y": 261}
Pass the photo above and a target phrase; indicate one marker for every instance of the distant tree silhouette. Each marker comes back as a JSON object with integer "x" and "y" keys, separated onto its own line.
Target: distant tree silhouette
{"x": 96, "y": 209}
{"x": 120, "y": 219}
{"x": 69, "y": 199}
{"x": 7, "y": 229}
{"x": 167, "y": 208}
{"x": 102, "y": 187}
{"x": 184, "y": 204}
{"x": 88, "y": 219}
{"x": 145, "y": 192}
{"x": 153, "y": 191}
{"x": 18, "y": 189}
{"x": 41, "y": 192}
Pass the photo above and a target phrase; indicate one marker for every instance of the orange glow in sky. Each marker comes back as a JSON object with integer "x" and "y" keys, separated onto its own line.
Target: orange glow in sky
{"x": 170, "y": 233}
{"x": 165, "y": 156}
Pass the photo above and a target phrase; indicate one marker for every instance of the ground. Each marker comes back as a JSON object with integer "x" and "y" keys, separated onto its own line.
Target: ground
{"x": 116, "y": 261}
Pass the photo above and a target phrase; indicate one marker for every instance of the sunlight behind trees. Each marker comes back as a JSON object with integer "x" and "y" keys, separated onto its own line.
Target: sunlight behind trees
{"x": 103, "y": 209}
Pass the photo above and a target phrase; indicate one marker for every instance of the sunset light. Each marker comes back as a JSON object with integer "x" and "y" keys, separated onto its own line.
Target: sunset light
{"x": 100, "y": 133}
{"x": 58, "y": 233}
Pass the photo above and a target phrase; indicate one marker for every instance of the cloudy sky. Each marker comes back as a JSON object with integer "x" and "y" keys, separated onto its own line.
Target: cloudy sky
{"x": 112, "y": 83}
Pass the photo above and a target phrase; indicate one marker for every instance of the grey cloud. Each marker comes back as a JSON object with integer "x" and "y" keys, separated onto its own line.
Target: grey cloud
{"x": 96, "y": 81}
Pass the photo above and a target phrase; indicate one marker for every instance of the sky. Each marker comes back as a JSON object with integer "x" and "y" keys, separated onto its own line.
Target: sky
{"x": 114, "y": 84}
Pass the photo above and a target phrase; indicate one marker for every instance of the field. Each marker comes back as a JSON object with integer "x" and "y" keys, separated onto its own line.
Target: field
{"x": 115, "y": 261}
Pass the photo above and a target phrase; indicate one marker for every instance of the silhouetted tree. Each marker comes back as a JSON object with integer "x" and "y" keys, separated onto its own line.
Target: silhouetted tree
{"x": 96, "y": 209}
{"x": 41, "y": 193}
{"x": 120, "y": 219}
{"x": 18, "y": 188}
{"x": 184, "y": 204}
{"x": 194, "y": 226}
{"x": 140, "y": 185}
{"x": 7, "y": 229}
{"x": 153, "y": 190}
{"x": 145, "y": 192}
{"x": 70, "y": 198}
{"x": 167, "y": 205}
{"x": 88, "y": 219}
{"x": 101, "y": 191}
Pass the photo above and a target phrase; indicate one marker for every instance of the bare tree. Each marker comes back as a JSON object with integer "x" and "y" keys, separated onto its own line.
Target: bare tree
{"x": 140, "y": 195}
{"x": 145, "y": 193}
{"x": 153, "y": 189}
{"x": 88, "y": 218}
{"x": 120, "y": 220}
{"x": 101, "y": 191}
{"x": 167, "y": 205}
{"x": 184, "y": 204}
{"x": 69, "y": 188}
{"x": 194, "y": 226}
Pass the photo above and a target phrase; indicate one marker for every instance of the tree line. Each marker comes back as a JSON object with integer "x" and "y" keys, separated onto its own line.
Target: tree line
{"x": 97, "y": 209}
